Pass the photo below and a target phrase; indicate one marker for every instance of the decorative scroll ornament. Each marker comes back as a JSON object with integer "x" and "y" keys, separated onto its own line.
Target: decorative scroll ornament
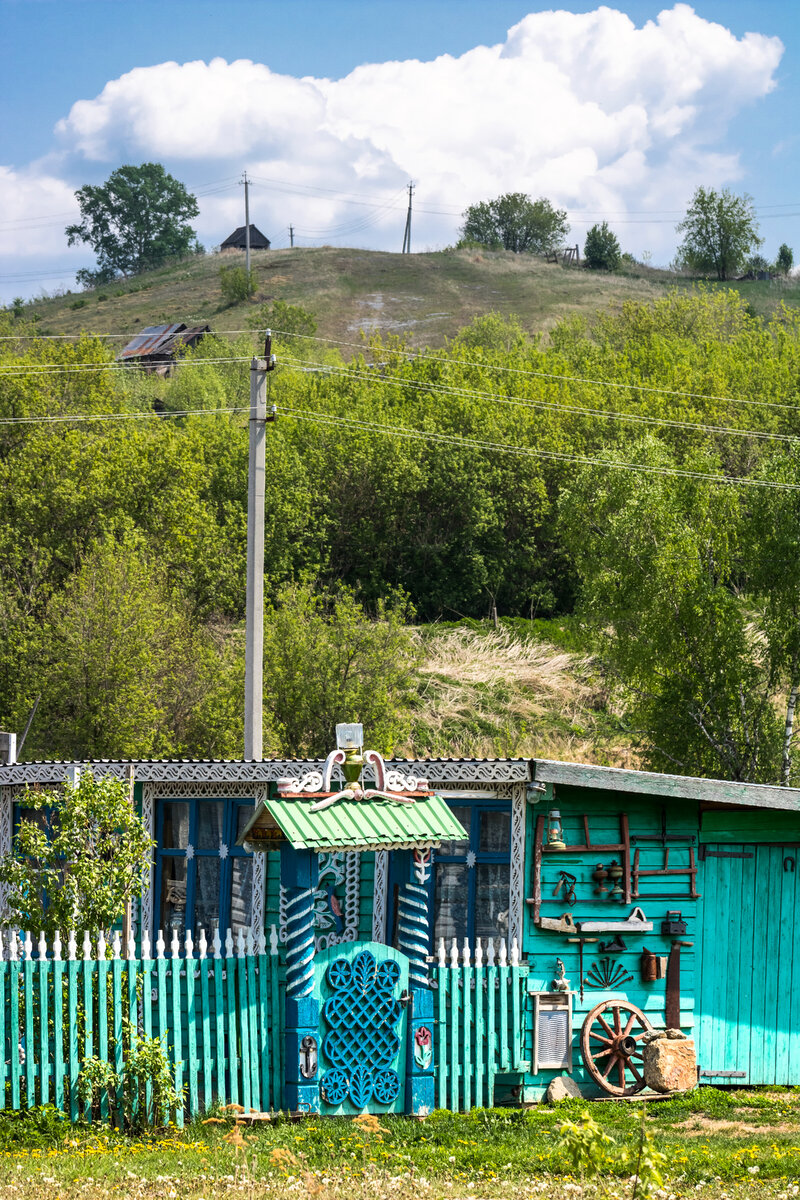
{"x": 362, "y": 1040}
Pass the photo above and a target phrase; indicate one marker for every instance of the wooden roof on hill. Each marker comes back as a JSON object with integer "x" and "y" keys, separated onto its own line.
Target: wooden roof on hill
{"x": 236, "y": 241}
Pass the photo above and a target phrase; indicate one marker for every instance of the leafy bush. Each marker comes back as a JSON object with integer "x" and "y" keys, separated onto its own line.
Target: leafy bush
{"x": 236, "y": 285}
{"x": 290, "y": 323}
{"x": 79, "y": 303}
{"x": 144, "y": 1065}
{"x": 43, "y": 1126}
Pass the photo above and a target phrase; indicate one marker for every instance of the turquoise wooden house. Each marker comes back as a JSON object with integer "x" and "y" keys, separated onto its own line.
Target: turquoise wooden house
{"x": 334, "y": 936}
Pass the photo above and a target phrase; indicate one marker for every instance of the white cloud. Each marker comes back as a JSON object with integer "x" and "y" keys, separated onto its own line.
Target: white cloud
{"x": 599, "y": 115}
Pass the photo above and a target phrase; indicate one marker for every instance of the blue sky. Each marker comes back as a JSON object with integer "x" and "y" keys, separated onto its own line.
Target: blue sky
{"x": 610, "y": 118}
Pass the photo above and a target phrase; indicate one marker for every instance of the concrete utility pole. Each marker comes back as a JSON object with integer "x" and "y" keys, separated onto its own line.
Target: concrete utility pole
{"x": 254, "y": 636}
{"x": 291, "y": 236}
{"x": 407, "y": 235}
{"x": 246, "y": 183}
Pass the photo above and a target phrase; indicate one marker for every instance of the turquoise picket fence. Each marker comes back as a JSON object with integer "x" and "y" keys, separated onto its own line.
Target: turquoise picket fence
{"x": 216, "y": 1009}
{"x": 480, "y": 1023}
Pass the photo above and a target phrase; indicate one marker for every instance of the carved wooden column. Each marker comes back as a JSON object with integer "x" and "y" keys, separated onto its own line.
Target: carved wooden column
{"x": 301, "y": 1084}
{"x": 413, "y": 937}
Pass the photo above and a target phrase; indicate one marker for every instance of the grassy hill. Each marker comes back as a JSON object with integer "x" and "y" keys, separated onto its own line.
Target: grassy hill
{"x": 425, "y": 297}
{"x": 516, "y": 691}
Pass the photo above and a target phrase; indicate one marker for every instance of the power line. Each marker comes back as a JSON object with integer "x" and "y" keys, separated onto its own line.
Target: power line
{"x": 636, "y": 387}
{"x": 526, "y": 451}
{"x": 579, "y": 410}
{"x": 418, "y": 435}
{"x": 16, "y": 370}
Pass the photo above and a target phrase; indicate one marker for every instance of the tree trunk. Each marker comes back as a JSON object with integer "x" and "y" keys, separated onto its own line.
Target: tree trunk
{"x": 786, "y": 765}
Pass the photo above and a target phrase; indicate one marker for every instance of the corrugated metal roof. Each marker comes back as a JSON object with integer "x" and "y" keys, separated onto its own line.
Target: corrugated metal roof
{"x": 357, "y": 824}
{"x": 162, "y": 340}
{"x": 151, "y": 339}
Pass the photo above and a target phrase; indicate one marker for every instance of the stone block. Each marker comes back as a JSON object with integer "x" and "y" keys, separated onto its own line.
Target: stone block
{"x": 563, "y": 1087}
{"x": 670, "y": 1064}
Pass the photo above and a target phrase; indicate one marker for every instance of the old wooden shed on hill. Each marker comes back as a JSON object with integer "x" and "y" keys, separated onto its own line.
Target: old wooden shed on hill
{"x": 507, "y": 920}
{"x": 238, "y": 239}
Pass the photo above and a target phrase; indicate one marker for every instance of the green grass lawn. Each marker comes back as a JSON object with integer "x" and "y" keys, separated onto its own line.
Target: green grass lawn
{"x": 716, "y": 1144}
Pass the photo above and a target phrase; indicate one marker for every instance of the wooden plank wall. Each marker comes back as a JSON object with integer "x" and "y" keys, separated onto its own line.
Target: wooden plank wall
{"x": 541, "y": 948}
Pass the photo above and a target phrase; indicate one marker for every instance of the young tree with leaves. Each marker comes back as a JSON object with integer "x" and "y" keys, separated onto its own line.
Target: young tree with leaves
{"x": 720, "y": 231}
{"x": 785, "y": 259}
{"x": 327, "y": 660}
{"x": 78, "y": 857}
{"x": 601, "y": 250}
{"x": 515, "y": 222}
{"x": 134, "y": 221}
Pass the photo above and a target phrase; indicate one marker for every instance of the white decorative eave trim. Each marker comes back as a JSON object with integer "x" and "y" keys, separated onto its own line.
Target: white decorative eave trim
{"x": 451, "y": 771}
{"x": 671, "y": 787}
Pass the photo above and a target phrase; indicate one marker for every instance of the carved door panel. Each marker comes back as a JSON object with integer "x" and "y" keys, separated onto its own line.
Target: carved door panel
{"x": 362, "y": 1037}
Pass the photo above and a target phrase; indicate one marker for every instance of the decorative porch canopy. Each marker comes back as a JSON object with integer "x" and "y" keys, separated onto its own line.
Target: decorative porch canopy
{"x": 368, "y": 824}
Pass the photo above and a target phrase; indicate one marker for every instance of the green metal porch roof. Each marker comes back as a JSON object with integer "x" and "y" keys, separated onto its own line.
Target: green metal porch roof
{"x": 354, "y": 824}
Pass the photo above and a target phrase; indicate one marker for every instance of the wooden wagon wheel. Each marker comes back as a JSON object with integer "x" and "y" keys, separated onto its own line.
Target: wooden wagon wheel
{"x": 610, "y": 1039}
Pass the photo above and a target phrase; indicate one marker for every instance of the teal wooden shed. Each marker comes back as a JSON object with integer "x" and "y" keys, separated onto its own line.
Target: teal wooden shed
{"x": 536, "y": 922}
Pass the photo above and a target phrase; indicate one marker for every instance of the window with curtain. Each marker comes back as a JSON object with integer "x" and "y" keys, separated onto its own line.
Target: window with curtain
{"x": 203, "y": 879}
{"x": 471, "y": 878}
{"x": 468, "y": 890}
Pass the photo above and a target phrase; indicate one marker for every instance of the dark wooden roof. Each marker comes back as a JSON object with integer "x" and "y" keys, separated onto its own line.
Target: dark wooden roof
{"x": 236, "y": 241}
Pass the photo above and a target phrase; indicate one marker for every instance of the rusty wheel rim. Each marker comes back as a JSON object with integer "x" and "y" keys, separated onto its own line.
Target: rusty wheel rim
{"x": 610, "y": 1045}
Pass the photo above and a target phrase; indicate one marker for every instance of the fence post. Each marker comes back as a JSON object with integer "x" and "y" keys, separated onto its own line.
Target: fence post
{"x": 480, "y": 1025}
{"x": 58, "y": 1023}
{"x": 177, "y": 1032}
{"x": 147, "y": 1010}
{"x": 208, "y": 1064}
{"x": 455, "y": 1006}
{"x": 219, "y": 1014}
{"x": 72, "y": 1025}
{"x": 252, "y": 1014}
{"x": 491, "y": 1027}
{"x": 442, "y": 978}
{"x": 102, "y": 1015}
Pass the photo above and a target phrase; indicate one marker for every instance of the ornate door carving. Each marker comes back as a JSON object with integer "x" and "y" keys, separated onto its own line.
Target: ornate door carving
{"x": 362, "y": 1028}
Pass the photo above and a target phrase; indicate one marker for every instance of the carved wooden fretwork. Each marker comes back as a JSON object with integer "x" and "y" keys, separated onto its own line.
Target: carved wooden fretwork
{"x": 334, "y": 867}
{"x": 6, "y": 826}
{"x": 448, "y": 772}
{"x": 517, "y": 880}
{"x": 381, "y": 886}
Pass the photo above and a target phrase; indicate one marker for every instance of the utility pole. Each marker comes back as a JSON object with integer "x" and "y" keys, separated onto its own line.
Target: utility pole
{"x": 246, "y": 183}
{"x": 291, "y": 236}
{"x": 254, "y": 635}
{"x": 407, "y": 234}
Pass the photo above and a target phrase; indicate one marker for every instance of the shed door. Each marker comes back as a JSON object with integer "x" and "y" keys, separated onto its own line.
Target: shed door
{"x": 749, "y": 968}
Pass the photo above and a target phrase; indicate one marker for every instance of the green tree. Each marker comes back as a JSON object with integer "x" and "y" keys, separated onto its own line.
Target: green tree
{"x": 601, "y": 250}
{"x": 515, "y": 222}
{"x": 785, "y": 259}
{"x": 78, "y": 857}
{"x": 662, "y": 579}
{"x": 123, "y": 671}
{"x": 327, "y": 660}
{"x": 720, "y": 231}
{"x": 135, "y": 220}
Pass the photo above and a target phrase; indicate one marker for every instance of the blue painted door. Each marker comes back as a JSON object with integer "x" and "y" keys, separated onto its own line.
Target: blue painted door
{"x": 362, "y": 1037}
{"x": 749, "y": 967}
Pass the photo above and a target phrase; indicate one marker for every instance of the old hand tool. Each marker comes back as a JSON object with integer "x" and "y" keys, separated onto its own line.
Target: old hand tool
{"x": 568, "y": 883}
